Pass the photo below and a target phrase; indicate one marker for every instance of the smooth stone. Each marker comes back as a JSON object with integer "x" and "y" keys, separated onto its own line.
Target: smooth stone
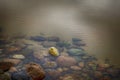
{"x": 14, "y": 61}
{"x": 76, "y": 39}
{"x": 53, "y": 38}
{"x": 21, "y": 75}
{"x": 49, "y": 44}
{"x": 50, "y": 64}
{"x": 79, "y": 44}
{"x": 81, "y": 64}
{"x": 76, "y": 52}
{"x": 63, "y": 44}
{"x": 60, "y": 69}
{"x": 75, "y": 68}
{"x": 18, "y": 56}
{"x": 66, "y": 61}
{"x": 38, "y": 38}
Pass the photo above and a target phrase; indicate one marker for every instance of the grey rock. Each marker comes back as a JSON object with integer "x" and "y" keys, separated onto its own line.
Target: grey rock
{"x": 76, "y": 52}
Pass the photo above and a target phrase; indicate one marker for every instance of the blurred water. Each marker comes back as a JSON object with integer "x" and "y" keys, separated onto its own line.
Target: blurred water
{"x": 96, "y": 22}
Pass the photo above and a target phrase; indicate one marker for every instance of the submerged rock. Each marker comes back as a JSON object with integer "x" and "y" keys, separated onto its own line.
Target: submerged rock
{"x": 48, "y": 44}
{"x": 14, "y": 61}
{"x": 64, "y": 44}
{"x": 76, "y": 52}
{"x": 50, "y": 64}
{"x": 5, "y": 66}
{"x": 75, "y": 68}
{"x": 21, "y": 75}
{"x": 66, "y": 61}
{"x": 4, "y": 76}
{"x": 35, "y": 71}
{"x": 76, "y": 39}
{"x": 38, "y": 38}
{"x": 55, "y": 39}
{"x": 18, "y": 56}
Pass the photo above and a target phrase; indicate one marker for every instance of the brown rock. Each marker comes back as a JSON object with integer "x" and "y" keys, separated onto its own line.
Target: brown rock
{"x": 81, "y": 64}
{"x": 5, "y": 66}
{"x": 12, "y": 69}
{"x": 35, "y": 71}
{"x": 66, "y": 61}
{"x": 75, "y": 68}
{"x": 14, "y": 61}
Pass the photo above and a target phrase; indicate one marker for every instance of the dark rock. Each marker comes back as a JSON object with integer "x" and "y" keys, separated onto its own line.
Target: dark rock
{"x": 5, "y": 66}
{"x": 76, "y": 39}
{"x": 49, "y": 44}
{"x": 4, "y": 76}
{"x": 79, "y": 44}
{"x": 21, "y": 75}
{"x": 63, "y": 44}
{"x": 76, "y": 52}
{"x": 38, "y": 38}
{"x": 55, "y": 39}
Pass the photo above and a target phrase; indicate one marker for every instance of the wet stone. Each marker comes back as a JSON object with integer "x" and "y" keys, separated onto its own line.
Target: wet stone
{"x": 66, "y": 61}
{"x": 76, "y": 52}
{"x": 76, "y": 39}
{"x": 38, "y": 38}
{"x": 49, "y": 44}
{"x": 55, "y": 39}
{"x": 63, "y": 44}
{"x": 50, "y": 64}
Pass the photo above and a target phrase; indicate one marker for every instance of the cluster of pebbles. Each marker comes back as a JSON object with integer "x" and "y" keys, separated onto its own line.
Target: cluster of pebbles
{"x": 73, "y": 63}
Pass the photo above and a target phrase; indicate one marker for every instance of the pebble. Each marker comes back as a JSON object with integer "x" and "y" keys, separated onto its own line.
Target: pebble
{"x": 18, "y": 56}
{"x": 81, "y": 64}
{"x": 75, "y": 68}
{"x": 53, "y": 38}
{"x": 76, "y": 52}
{"x": 66, "y": 61}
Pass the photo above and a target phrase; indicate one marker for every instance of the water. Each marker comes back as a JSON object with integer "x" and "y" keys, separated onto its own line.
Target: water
{"x": 96, "y": 25}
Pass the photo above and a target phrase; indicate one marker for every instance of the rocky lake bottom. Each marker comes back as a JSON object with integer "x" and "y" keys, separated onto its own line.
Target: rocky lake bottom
{"x": 73, "y": 63}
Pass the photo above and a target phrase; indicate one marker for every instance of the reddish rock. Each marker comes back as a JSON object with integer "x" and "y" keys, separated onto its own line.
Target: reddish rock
{"x": 35, "y": 71}
{"x": 5, "y": 66}
{"x": 66, "y": 61}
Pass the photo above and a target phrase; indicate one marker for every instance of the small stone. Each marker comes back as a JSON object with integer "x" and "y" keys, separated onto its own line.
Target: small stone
{"x": 60, "y": 69}
{"x": 66, "y": 61}
{"x": 81, "y": 64}
{"x": 50, "y": 64}
{"x": 76, "y": 39}
{"x": 55, "y": 39}
{"x": 63, "y": 44}
{"x": 76, "y": 52}
{"x": 53, "y": 73}
{"x": 64, "y": 54}
{"x": 13, "y": 48}
{"x": 48, "y": 44}
{"x": 97, "y": 74}
{"x": 12, "y": 69}
{"x": 5, "y": 66}
{"x": 75, "y": 68}
{"x": 14, "y": 61}
{"x": 38, "y": 38}
{"x": 65, "y": 69}
{"x": 18, "y": 56}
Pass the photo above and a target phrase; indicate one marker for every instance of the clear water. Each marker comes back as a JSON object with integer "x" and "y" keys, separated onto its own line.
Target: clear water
{"x": 96, "y": 25}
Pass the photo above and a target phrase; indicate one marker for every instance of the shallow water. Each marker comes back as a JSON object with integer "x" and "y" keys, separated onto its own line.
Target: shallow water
{"x": 96, "y": 25}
